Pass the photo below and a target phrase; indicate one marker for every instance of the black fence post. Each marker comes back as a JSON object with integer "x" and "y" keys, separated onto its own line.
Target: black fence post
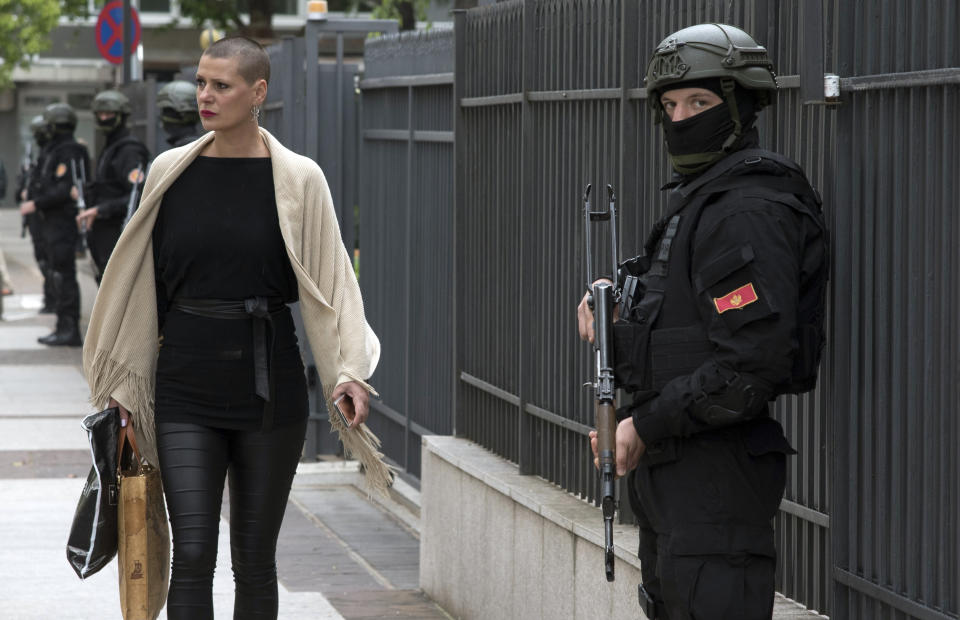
{"x": 842, "y": 334}
{"x": 408, "y": 270}
{"x": 527, "y": 446}
{"x": 459, "y": 158}
{"x": 288, "y": 73}
{"x": 811, "y": 58}
{"x": 627, "y": 178}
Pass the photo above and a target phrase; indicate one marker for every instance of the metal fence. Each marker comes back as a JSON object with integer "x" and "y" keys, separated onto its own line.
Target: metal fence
{"x": 548, "y": 98}
{"x": 312, "y": 108}
{"x": 406, "y": 235}
{"x": 144, "y": 119}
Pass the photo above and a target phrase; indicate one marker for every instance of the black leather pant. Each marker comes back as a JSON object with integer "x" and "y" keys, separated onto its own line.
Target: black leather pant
{"x": 194, "y": 460}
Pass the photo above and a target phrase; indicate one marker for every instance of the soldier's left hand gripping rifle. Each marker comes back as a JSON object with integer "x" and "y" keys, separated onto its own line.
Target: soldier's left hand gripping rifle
{"x": 602, "y": 299}
{"x": 80, "y": 181}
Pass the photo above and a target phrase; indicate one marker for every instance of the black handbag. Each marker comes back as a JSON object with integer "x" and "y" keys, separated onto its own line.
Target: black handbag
{"x": 93, "y": 535}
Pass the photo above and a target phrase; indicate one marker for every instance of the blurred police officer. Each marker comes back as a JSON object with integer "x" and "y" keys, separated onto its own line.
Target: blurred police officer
{"x": 49, "y": 194}
{"x": 121, "y": 168}
{"x": 722, "y": 313}
{"x": 177, "y": 102}
{"x": 41, "y": 136}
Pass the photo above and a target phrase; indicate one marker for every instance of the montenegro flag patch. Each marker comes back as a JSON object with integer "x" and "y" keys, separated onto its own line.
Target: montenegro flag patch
{"x": 61, "y": 170}
{"x": 736, "y": 299}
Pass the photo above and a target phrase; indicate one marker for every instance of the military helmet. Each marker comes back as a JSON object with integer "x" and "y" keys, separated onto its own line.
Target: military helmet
{"x": 179, "y": 95}
{"x": 708, "y": 51}
{"x": 111, "y": 101}
{"x": 38, "y": 125}
{"x": 60, "y": 117}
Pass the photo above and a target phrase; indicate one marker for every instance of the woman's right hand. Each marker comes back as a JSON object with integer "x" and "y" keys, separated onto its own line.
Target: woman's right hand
{"x": 124, "y": 414}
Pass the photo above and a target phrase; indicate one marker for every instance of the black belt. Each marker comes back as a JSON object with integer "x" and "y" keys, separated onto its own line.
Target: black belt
{"x": 260, "y": 309}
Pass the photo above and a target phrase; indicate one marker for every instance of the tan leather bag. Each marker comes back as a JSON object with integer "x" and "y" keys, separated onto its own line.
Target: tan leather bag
{"x": 143, "y": 535}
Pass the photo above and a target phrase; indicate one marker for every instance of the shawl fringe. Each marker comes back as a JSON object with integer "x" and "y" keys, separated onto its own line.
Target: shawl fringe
{"x": 362, "y": 444}
{"x": 108, "y": 377}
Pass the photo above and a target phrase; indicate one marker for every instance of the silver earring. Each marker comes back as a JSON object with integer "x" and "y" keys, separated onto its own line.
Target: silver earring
{"x": 255, "y": 114}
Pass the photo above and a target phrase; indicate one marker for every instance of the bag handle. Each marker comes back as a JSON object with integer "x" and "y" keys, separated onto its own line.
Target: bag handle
{"x": 127, "y": 436}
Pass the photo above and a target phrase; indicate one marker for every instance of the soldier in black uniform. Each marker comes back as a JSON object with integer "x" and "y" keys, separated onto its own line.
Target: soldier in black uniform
{"x": 41, "y": 135}
{"x": 49, "y": 195}
{"x": 722, "y": 313}
{"x": 121, "y": 168}
{"x": 177, "y": 102}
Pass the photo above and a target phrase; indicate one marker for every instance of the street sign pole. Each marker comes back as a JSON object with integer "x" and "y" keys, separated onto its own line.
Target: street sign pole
{"x": 127, "y": 40}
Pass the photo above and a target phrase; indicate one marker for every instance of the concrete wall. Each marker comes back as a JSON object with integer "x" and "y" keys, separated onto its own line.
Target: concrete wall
{"x": 495, "y": 544}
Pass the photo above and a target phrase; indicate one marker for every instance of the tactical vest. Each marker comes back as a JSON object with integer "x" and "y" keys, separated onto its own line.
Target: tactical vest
{"x": 50, "y": 156}
{"x": 107, "y": 185}
{"x": 661, "y": 335}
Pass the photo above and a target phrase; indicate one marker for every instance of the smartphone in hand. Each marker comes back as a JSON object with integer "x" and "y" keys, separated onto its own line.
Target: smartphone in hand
{"x": 343, "y": 416}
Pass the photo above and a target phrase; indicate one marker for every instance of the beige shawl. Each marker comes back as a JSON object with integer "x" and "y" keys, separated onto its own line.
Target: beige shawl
{"x": 120, "y": 353}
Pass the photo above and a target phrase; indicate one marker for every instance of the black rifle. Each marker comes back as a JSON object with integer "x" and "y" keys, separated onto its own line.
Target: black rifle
{"x": 134, "y": 193}
{"x": 26, "y": 166}
{"x": 602, "y": 299}
{"x": 79, "y": 181}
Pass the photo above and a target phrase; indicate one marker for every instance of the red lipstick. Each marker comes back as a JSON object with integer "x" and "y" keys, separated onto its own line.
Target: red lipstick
{"x": 207, "y": 113}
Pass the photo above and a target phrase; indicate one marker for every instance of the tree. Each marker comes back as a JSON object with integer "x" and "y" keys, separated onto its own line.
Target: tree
{"x": 407, "y": 12}
{"x": 227, "y": 14}
{"x": 25, "y": 27}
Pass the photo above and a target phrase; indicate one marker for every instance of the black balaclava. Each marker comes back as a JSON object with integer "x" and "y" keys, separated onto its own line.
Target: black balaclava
{"x": 42, "y": 138}
{"x": 696, "y": 143}
{"x": 112, "y": 124}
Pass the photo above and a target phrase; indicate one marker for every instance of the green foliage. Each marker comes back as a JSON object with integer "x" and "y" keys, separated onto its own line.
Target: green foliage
{"x": 223, "y": 14}
{"x": 25, "y": 27}
{"x": 227, "y": 15}
{"x": 393, "y": 9}
{"x": 404, "y": 11}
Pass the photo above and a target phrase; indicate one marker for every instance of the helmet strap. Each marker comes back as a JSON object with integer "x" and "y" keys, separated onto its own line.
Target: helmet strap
{"x": 729, "y": 88}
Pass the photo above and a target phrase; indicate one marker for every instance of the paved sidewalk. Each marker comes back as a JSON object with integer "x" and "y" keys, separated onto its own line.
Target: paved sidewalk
{"x": 340, "y": 554}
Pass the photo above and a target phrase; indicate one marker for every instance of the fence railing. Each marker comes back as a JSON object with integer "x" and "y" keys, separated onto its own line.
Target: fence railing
{"x": 406, "y": 235}
{"x": 477, "y": 279}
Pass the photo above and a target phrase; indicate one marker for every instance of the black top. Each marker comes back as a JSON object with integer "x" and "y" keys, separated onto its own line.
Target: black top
{"x": 217, "y": 236}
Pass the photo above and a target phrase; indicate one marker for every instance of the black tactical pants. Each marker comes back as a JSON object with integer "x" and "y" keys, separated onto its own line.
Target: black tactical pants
{"x": 705, "y": 523}
{"x": 35, "y": 225}
{"x": 59, "y": 233}
{"x": 101, "y": 239}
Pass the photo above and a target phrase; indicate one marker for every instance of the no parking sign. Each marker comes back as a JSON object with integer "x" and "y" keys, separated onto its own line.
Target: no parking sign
{"x": 109, "y": 31}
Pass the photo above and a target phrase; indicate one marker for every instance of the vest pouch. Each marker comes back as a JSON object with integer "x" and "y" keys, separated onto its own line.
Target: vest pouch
{"x": 677, "y": 351}
{"x": 810, "y": 342}
{"x": 630, "y": 340}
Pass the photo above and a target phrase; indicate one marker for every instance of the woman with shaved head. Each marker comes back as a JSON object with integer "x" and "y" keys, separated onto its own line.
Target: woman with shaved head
{"x": 193, "y": 339}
